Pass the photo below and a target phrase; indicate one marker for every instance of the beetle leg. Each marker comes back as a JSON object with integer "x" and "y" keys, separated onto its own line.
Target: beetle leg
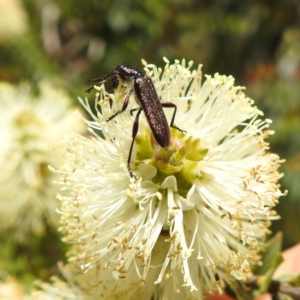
{"x": 125, "y": 104}
{"x": 172, "y": 105}
{"x": 134, "y": 109}
{"x": 135, "y": 128}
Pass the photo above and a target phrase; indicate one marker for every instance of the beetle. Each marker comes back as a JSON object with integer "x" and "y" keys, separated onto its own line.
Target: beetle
{"x": 146, "y": 97}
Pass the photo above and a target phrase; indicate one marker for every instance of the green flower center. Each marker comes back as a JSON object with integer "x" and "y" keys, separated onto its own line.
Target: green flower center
{"x": 180, "y": 158}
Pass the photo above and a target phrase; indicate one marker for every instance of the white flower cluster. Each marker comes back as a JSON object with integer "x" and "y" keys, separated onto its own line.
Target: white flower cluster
{"x": 200, "y": 208}
{"x": 30, "y": 130}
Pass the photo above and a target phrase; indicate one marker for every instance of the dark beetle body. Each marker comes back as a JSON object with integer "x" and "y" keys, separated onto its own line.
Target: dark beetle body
{"x": 149, "y": 102}
{"x": 147, "y": 98}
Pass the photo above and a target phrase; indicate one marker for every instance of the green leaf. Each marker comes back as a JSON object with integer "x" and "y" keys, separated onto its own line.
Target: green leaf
{"x": 271, "y": 259}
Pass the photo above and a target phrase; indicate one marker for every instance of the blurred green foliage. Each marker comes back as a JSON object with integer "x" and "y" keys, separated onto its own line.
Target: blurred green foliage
{"x": 258, "y": 42}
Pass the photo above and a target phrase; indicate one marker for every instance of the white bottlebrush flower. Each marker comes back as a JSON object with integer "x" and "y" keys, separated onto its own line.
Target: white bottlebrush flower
{"x": 10, "y": 289}
{"x": 30, "y": 130}
{"x": 57, "y": 289}
{"x": 200, "y": 208}
{"x": 13, "y": 20}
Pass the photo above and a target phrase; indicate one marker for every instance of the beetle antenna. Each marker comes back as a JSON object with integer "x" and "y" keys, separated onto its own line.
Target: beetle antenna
{"x": 89, "y": 89}
{"x": 97, "y": 80}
